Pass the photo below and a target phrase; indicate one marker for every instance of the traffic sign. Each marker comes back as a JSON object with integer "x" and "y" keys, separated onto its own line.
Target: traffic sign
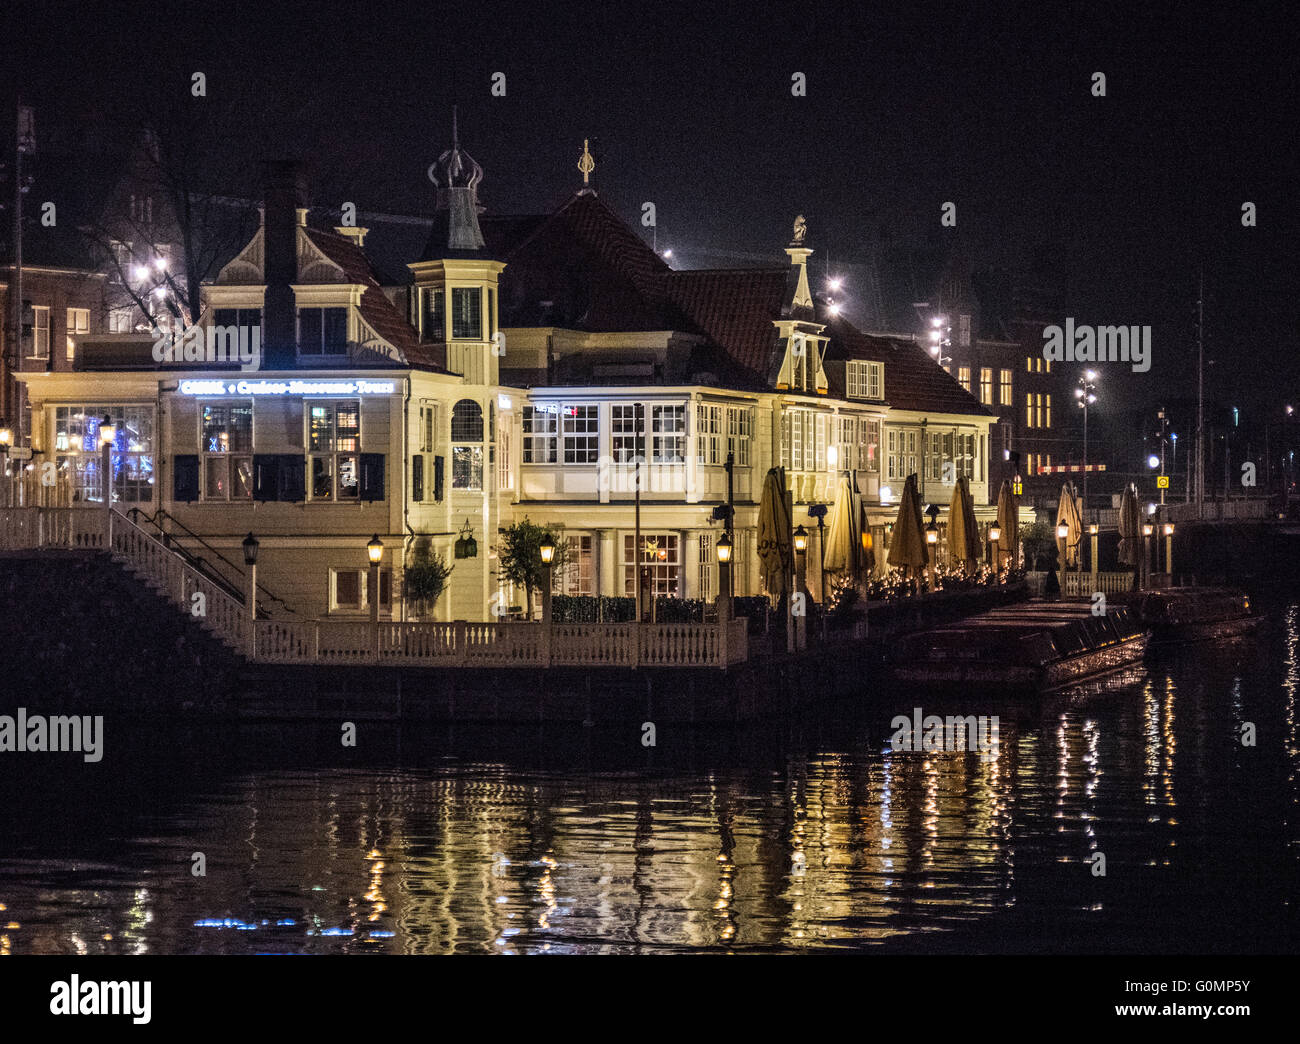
{"x": 1162, "y": 482}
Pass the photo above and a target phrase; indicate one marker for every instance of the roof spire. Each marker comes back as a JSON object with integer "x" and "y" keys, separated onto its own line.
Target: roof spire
{"x": 586, "y": 164}
{"x": 455, "y": 136}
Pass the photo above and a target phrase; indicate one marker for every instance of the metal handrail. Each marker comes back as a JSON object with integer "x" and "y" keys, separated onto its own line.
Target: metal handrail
{"x": 198, "y": 561}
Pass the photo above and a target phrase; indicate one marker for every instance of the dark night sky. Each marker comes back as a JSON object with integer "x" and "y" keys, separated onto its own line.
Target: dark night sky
{"x": 691, "y": 108}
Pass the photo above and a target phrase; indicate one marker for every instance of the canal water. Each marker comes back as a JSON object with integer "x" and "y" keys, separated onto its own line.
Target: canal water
{"x": 802, "y": 836}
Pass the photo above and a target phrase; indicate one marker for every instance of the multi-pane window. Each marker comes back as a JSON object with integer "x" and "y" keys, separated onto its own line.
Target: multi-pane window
{"x": 250, "y": 317}
{"x": 803, "y": 440}
{"x": 627, "y": 431}
{"x": 855, "y": 379}
{"x": 668, "y": 434}
{"x": 664, "y": 572}
{"x": 865, "y": 380}
{"x": 1029, "y": 410}
{"x": 963, "y": 330}
{"x": 467, "y": 460}
{"x": 541, "y": 429}
{"x": 428, "y": 423}
{"x": 323, "y": 331}
{"x": 226, "y": 444}
{"x": 433, "y": 322}
{"x": 868, "y": 456}
{"x": 334, "y": 446}
{"x": 1005, "y": 388}
{"x": 581, "y": 429}
{"x": 349, "y": 589}
{"x": 963, "y": 376}
{"x": 708, "y": 434}
{"x": 846, "y": 443}
{"x": 505, "y": 479}
{"x": 467, "y": 312}
{"x": 40, "y": 332}
{"x": 578, "y": 575}
{"x": 740, "y": 433}
{"x": 707, "y": 567}
{"x": 78, "y": 323}
{"x": 1047, "y": 412}
{"x": 934, "y": 465}
{"x": 986, "y": 385}
{"x": 76, "y": 444}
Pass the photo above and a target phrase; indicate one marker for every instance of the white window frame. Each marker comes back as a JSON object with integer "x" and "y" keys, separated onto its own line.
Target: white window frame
{"x": 231, "y": 459}
{"x": 74, "y": 327}
{"x": 335, "y": 456}
{"x": 40, "y": 344}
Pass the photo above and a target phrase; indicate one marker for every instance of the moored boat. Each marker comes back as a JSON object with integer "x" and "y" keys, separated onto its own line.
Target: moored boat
{"x": 1036, "y": 646}
{"x": 1193, "y": 614}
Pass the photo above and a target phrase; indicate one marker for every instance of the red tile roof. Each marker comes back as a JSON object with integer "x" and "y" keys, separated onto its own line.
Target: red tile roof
{"x": 734, "y": 308}
{"x": 913, "y": 380}
{"x": 377, "y": 310}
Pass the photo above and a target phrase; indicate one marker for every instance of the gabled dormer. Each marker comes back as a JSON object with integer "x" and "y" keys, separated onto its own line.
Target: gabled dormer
{"x": 455, "y": 299}
{"x": 801, "y": 342}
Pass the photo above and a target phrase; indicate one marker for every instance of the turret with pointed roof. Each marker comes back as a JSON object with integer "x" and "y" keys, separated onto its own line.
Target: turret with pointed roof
{"x": 456, "y": 231}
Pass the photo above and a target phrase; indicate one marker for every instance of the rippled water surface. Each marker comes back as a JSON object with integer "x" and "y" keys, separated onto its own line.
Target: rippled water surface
{"x": 799, "y": 836}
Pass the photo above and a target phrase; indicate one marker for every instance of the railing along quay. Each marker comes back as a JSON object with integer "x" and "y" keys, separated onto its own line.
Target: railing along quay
{"x": 343, "y": 642}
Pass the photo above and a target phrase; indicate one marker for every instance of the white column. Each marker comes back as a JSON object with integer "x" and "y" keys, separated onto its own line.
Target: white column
{"x": 692, "y": 493}
{"x": 692, "y": 582}
{"x": 608, "y": 563}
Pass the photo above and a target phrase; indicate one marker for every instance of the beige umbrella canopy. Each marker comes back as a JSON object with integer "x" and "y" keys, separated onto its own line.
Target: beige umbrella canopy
{"x": 907, "y": 548}
{"x": 1067, "y": 511}
{"x": 1009, "y": 523}
{"x": 963, "y": 537}
{"x": 775, "y": 535}
{"x": 1130, "y": 543}
{"x": 844, "y": 535}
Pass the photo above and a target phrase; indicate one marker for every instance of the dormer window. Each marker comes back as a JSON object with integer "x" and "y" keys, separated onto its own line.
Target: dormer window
{"x": 322, "y": 331}
{"x": 467, "y": 313}
{"x": 865, "y": 380}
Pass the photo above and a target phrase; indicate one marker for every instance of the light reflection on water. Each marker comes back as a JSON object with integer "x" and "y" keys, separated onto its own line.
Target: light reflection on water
{"x": 821, "y": 838}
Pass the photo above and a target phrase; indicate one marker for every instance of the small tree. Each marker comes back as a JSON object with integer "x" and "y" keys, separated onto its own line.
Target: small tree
{"x": 520, "y": 556}
{"x": 425, "y": 579}
{"x": 1040, "y": 543}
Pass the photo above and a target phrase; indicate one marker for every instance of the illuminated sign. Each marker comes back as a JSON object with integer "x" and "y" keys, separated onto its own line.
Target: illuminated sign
{"x": 287, "y": 387}
{"x": 1162, "y": 482}
{"x": 1017, "y": 488}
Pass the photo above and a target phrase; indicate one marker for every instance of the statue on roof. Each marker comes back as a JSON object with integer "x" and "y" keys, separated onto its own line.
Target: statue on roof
{"x": 800, "y": 231}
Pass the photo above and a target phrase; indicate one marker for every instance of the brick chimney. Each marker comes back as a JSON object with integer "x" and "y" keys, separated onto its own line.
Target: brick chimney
{"x": 284, "y": 212}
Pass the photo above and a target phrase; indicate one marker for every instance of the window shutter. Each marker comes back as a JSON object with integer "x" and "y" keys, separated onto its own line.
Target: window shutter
{"x": 266, "y": 476}
{"x": 185, "y": 478}
{"x": 437, "y": 478}
{"x": 372, "y": 476}
{"x": 292, "y": 478}
{"x": 417, "y": 477}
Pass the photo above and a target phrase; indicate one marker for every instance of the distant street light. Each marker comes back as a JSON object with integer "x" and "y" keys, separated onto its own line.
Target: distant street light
{"x": 1084, "y": 393}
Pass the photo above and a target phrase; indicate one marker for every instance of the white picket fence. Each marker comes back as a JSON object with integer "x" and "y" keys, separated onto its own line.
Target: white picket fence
{"x": 1085, "y": 584}
{"x": 459, "y": 644}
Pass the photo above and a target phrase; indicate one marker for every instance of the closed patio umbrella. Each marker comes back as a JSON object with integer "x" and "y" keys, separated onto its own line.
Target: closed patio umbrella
{"x": 1130, "y": 539}
{"x": 775, "y": 535}
{"x": 1009, "y": 523}
{"x": 844, "y": 535}
{"x": 907, "y": 548}
{"x": 963, "y": 537}
{"x": 1067, "y": 511}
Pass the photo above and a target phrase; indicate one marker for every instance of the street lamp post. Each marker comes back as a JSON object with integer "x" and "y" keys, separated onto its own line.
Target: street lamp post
{"x": 801, "y": 585}
{"x": 1147, "y": 529}
{"x": 1093, "y": 529}
{"x": 375, "y": 552}
{"x": 1084, "y": 393}
{"x": 724, "y": 596}
{"x": 106, "y": 437}
{"x": 1169, "y": 551}
{"x": 995, "y": 538}
{"x": 1063, "y": 535}
{"x": 250, "y": 545}
{"x": 818, "y": 511}
{"x": 547, "y": 551}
